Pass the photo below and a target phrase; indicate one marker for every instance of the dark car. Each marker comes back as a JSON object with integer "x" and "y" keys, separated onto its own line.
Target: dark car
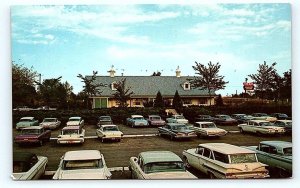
{"x": 286, "y": 124}
{"x": 281, "y": 116}
{"x": 104, "y": 120}
{"x": 204, "y": 118}
{"x": 176, "y": 131}
{"x": 242, "y": 118}
{"x": 224, "y": 120}
{"x": 33, "y": 134}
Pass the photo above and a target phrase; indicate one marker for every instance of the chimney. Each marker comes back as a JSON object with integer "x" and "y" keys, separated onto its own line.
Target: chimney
{"x": 178, "y": 72}
{"x": 112, "y": 72}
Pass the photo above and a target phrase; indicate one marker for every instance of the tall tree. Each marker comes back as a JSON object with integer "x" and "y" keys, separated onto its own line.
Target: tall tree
{"x": 177, "y": 102}
{"x": 91, "y": 87}
{"x": 264, "y": 77}
{"x": 23, "y": 85}
{"x": 219, "y": 101}
{"x": 208, "y": 78}
{"x": 156, "y": 73}
{"x": 287, "y": 85}
{"x": 159, "y": 102}
{"x": 123, "y": 93}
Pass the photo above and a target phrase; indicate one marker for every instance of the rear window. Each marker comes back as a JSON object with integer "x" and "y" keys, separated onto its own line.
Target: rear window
{"x": 82, "y": 164}
{"x": 221, "y": 157}
{"x": 243, "y": 158}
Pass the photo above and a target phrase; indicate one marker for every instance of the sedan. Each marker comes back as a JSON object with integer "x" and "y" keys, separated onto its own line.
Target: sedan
{"x": 224, "y": 120}
{"x": 176, "y": 131}
{"x": 33, "y": 134}
{"x": 109, "y": 132}
{"x": 50, "y": 123}
{"x": 27, "y": 122}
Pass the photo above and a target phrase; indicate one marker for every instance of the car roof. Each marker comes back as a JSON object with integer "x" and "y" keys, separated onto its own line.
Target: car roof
{"x": 226, "y": 148}
{"x": 109, "y": 125}
{"x": 175, "y": 124}
{"x": 75, "y": 117}
{"x": 50, "y": 118}
{"x": 204, "y": 122}
{"x": 33, "y": 127}
{"x": 159, "y": 156}
{"x": 27, "y": 118}
{"x": 284, "y": 120}
{"x": 154, "y": 116}
{"x": 82, "y": 155}
{"x": 136, "y": 116}
{"x": 259, "y": 121}
{"x": 71, "y": 127}
{"x": 280, "y": 144}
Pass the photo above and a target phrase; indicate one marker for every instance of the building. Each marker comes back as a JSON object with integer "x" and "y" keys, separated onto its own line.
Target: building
{"x": 145, "y": 89}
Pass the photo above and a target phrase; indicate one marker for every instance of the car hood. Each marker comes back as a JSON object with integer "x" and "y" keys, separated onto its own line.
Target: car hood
{"x": 171, "y": 175}
{"x": 84, "y": 174}
{"x": 213, "y": 130}
{"x": 48, "y": 123}
{"x": 183, "y": 131}
{"x": 112, "y": 133}
{"x": 73, "y": 123}
{"x": 24, "y": 123}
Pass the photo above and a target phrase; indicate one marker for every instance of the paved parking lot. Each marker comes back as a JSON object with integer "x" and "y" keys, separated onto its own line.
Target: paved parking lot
{"x": 117, "y": 154}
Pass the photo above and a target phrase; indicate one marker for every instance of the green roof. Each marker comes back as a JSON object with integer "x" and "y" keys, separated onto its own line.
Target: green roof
{"x": 159, "y": 156}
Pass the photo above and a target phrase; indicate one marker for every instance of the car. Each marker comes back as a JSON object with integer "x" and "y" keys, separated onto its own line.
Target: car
{"x": 224, "y": 161}
{"x": 277, "y": 155}
{"x": 104, "y": 120}
{"x": 286, "y": 124}
{"x": 206, "y": 118}
{"x": 155, "y": 120}
{"x": 224, "y": 120}
{"x": 28, "y": 166}
{"x": 22, "y": 108}
{"x": 43, "y": 108}
{"x": 50, "y": 123}
{"x": 208, "y": 129}
{"x": 280, "y": 116}
{"x": 158, "y": 165}
{"x": 82, "y": 164}
{"x": 263, "y": 116}
{"x": 261, "y": 127}
{"x": 109, "y": 132}
{"x": 136, "y": 120}
{"x": 176, "y": 131}
{"x": 71, "y": 135}
{"x": 26, "y": 122}
{"x": 33, "y": 135}
{"x": 242, "y": 118}
{"x": 177, "y": 119}
{"x": 73, "y": 121}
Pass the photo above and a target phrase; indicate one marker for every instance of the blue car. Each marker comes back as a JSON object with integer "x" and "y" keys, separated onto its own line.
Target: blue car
{"x": 136, "y": 120}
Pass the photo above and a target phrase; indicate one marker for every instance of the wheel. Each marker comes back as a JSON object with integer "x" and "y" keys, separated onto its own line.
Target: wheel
{"x": 159, "y": 134}
{"x": 211, "y": 175}
{"x": 186, "y": 163}
{"x": 242, "y": 131}
{"x": 282, "y": 173}
{"x": 171, "y": 137}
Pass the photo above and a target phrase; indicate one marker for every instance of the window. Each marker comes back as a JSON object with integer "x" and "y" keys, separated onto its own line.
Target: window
{"x": 200, "y": 151}
{"x": 221, "y": 157}
{"x": 186, "y": 86}
{"x": 137, "y": 103}
{"x": 113, "y": 86}
{"x": 206, "y": 153}
{"x": 243, "y": 158}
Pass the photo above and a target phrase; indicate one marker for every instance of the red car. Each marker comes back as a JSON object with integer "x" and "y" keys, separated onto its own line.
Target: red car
{"x": 155, "y": 120}
{"x": 33, "y": 134}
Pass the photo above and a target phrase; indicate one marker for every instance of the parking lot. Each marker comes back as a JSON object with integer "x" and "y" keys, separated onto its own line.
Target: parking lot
{"x": 117, "y": 154}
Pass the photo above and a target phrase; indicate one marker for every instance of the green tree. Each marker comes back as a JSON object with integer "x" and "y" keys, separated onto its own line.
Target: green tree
{"x": 287, "y": 86}
{"x": 177, "y": 102}
{"x": 219, "y": 101}
{"x": 159, "y": 102}
{"x": 123, "y": 93}
{"x": 23, "y": 85}
{"x": 208, "y": 78}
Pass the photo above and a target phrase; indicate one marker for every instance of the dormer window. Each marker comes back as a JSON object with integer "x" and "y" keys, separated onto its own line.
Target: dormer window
{"x": 186, "y": 86}
{"x": 113, "y": 86}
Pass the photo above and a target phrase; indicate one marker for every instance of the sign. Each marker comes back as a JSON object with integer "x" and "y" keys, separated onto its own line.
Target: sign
{"x": 248, "y": 86}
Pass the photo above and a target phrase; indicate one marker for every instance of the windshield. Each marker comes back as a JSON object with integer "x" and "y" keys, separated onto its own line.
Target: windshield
{"x": 179, "y": 117}
{"x": 25, "y": 120}
{"x": 74, "y": 119}
{"x": 209, "y": 125}
{"x": 179, "y": 127}
{"x": 138, "y": 118}
{"x": 266, "y": 124}
{"x": 31, "y": 131}
{"x": 164, "y": 167}
{"x": 49, "y": 120}
{"x": 288, "y": 151}
{"x": 155, "y": 118}
{"x": 105, "y": 118}
{"x": 283, "y": 115}
{"x": 243, "y": 158}
{"x": 82, "y": 164}
{"x": 70, "y": 131}
{"x": 110, "y": 128}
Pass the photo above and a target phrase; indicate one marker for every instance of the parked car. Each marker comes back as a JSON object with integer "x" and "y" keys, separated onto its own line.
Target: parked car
{"x": 136, "y": 120}
{"x": 221, "y": 160}
{"x": 263, "y": 116}
{"x": 82, "y": 164}
{"x": 109, "y": 132}
{"x": 208, "y": 129}
{"x": 286, "y": 124}
{"x": 33, "y": 135}
{"x": 71, "y": 135}
{"x": 44, "y": 108}
{"x": 280, "y": 116}
{"x": 224, "y": 120}
{"x": 242, "y": 118}
{"x": 73, "y": 121}
{"x": 26, "y": 122}
{"x": 22, "y": 108}
{"x": 50, "y": 123}
{"x": 176, "y": 131}
{"x": 277, "y": 155}
{"x": 261, "y": 127}
{"x": 158, "y": 165}
{"x": 155, "y": 120}
{"x": 104, "y": 120}
{"x": 206, "y": 118}
{"x": 28, "y": 166}
{"x": 177, "y": 119}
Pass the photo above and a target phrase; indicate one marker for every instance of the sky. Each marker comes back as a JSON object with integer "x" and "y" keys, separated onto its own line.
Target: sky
{"x": 141, "y": 39}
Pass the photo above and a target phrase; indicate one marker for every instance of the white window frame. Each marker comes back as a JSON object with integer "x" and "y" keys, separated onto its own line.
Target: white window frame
{"x": 113, "y": 86}
{"x": 186, "y": 88}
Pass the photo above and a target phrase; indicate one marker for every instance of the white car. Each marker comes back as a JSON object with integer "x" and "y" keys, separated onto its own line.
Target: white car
{"x": 261, "y": 127}
{"x": 225, "y": 161}
{"x": 28, "y": 166}
{"x": 158, "y": 165}
{"x": 177, "y": 119}
{"x": 82, "y": 164}
{"x": 109, "y": 132}
{"x": 50, "y": 123}
{"x": 75, "y": 121}
{"x": 71, "y": 135}
{"x": 208, "y": 129}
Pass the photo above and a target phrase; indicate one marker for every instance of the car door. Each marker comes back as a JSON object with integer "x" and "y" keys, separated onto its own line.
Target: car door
{"x": 203, "y": 160}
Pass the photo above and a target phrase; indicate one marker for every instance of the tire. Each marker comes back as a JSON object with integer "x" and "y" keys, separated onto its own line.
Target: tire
{"x": 186, "y": 163}
{"x": 242, "y": 131}
{"x": 171, "y": 137}
{"x": 159, "y": 134}
{"x": 282, "y": 173}
{"x": 211, "y": 175}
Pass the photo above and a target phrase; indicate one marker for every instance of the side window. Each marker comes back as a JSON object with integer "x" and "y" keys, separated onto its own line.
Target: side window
{"x": 196, "y": 125}
{"x": 200, "y": 151}
{"x": 206, "y": 152}
{"x": 221, "y": 157}
{"x": 268, "y": 149}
